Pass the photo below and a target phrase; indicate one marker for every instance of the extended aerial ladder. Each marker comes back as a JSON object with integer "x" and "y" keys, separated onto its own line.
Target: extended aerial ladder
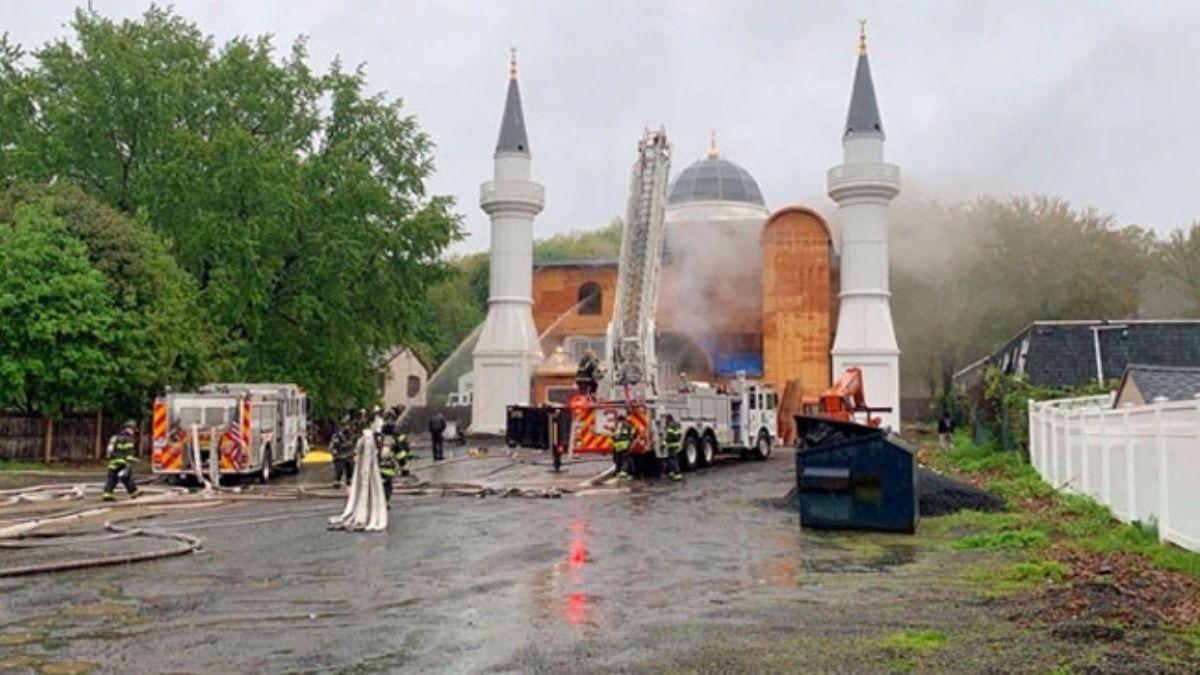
{"x": 629, "y": 349}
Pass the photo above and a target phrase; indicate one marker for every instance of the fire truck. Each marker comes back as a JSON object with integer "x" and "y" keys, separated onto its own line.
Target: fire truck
{"x": 738, "y": 417}
{"x": 230, "y": 429}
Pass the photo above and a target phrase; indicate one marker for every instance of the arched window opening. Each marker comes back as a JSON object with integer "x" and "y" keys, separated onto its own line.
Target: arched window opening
{"x": 591, "y": 298}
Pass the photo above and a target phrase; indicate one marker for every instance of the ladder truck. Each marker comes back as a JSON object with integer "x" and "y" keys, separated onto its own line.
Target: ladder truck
{"x": 739, "y": 418}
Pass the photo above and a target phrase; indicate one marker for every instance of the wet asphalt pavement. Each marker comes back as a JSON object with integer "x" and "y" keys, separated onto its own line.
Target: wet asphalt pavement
{"x": 700, "y": 576}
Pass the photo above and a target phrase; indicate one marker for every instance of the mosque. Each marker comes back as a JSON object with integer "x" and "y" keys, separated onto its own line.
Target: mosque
{"x": 745, "y": 288}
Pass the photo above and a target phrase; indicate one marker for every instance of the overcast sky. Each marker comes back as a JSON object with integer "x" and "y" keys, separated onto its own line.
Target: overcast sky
{"x": 1094, "y": 101}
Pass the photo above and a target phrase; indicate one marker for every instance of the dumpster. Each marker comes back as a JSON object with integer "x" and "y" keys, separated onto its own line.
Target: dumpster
{"x": 851, "y": 476}
{"x": 528, "y": 426}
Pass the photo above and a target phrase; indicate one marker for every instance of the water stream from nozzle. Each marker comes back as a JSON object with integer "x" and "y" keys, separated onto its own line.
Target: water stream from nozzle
{"x": 469, "y": 340}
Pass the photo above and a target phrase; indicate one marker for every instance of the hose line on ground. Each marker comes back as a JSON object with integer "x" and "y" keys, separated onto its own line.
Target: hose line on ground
{"x": 187, "y": 544}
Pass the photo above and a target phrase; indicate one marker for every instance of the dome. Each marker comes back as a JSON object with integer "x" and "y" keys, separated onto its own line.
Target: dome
{"x": 714, "y": 179}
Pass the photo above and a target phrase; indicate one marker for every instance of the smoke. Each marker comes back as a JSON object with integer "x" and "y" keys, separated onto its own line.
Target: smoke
{"x": 711, "y": 287}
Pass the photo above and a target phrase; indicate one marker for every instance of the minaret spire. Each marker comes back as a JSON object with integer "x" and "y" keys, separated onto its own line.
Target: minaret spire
{"x": 512, "y": 126}
{"x": 863, "y": 116}
{"x": 712, "y": 144}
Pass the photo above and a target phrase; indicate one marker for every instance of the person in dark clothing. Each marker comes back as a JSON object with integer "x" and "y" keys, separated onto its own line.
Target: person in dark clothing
{"x": 437, "y": 432}
{"x": 946, "y": 431}
{"x": 341, "y": 446}
{"x": 392, "y": 444}
{"x": 587, "y": 375}
{"x": 673, "y": 440}
{"x": 121, "y": 450}
{"x": 622, "y": 440}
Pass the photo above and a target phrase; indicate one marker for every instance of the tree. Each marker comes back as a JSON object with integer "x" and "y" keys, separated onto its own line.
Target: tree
{"x": 294, "y": 199}
{"x": 58, "y": 318}
{"x": 1181, "y": 265}
{"x": 967, "y": 278}
{"x": 164, "y": 338}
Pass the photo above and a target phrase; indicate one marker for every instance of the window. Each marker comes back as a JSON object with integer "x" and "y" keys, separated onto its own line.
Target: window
{"x": 591, "y": 299}
{"x": 560, "y": 394}
{"x": 414, "y": 386}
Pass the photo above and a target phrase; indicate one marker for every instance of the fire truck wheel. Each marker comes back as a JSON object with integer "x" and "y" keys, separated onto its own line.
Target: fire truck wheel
{"x": 762, "y": 448}
{"x": 264, "y": 474}
{"x": 691, "y": 453}
{"x": 710, "y": 450}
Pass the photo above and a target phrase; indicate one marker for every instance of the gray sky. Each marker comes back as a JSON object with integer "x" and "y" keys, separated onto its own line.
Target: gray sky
{"x": 1094, "y": 101}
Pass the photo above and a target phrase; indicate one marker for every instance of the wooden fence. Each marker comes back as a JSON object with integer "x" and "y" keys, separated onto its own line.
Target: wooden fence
{"x": 74, "y": 439}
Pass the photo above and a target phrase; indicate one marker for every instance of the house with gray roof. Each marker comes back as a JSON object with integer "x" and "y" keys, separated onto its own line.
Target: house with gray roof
{"x": 1078, "y": 353}
{"x": 1142, "y": 385}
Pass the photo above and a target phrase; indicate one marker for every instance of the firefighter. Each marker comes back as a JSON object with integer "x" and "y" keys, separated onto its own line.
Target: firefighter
{"x": 588, "y": 374}
{"x": 121, "y": 448}
{"x": 342, "y": 445}
{"x": 673, "y": 440}
{"x": 622, "y": 439}
{"x": 394, "y": 451}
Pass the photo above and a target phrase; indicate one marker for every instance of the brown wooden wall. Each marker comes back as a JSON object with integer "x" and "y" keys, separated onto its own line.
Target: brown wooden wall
{"x": 797, "y": 300}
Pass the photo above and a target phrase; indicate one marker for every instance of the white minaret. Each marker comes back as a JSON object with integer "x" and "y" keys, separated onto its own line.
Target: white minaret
{"x": 508, "y": 349}
{"x": 863, "y": 186}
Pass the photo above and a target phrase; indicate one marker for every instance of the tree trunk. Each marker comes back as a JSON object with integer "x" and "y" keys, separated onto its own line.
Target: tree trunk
{"x": 98, "y": 449}
{"x": 48, "y": 441}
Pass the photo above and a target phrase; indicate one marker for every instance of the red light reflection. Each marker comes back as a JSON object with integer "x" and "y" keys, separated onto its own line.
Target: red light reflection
{"x": 576, "y": 610}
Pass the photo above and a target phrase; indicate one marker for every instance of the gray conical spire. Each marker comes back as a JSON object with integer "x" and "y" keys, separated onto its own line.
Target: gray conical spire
{"x": 512, "y": 127}
{"x": 863, "y": 117}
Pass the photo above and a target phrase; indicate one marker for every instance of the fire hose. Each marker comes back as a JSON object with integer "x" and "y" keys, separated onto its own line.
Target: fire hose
{"x": 187, "y": 544}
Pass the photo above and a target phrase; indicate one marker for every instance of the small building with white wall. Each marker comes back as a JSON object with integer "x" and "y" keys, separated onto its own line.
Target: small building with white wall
{"x": 405, "y": 375}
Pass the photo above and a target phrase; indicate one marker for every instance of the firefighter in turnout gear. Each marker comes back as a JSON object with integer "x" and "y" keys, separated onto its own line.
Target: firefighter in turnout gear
{"x": 393, "y": 453}
{"x": 622, "y": 439}
{"x": 588, "y": 374}
{"x": 342, "y": 447}
{"x": 121, "y": 449}
{"x": 673, "y": 440}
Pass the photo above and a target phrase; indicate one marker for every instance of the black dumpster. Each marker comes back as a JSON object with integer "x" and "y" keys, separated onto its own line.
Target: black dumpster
{"x": 528, "y": 426}
{"x": 851, "y": 476}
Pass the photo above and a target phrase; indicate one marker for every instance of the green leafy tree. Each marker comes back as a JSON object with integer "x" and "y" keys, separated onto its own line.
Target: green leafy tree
{"x": 59, "y": 321}
{"x": 163, "y": 336}
{"x": 602, "y": 243}
{"x": 295, "y": 199}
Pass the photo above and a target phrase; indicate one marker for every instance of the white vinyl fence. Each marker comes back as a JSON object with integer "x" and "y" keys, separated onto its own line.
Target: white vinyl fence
{"x": 1142, "y": 462}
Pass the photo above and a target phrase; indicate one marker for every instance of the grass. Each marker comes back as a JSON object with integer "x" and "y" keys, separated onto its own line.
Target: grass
{"x": 1027, "y": 538}
{"x": 914, "y": 640}
{"x": 1071, "y": 520}
{"x": 992, "y": 582}
{"x": 21, "y": 465}
{"x": 34, "y": 465}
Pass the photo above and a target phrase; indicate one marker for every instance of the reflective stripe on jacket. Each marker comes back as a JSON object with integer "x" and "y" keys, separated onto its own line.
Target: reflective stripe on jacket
{"x": 674, "y": 437}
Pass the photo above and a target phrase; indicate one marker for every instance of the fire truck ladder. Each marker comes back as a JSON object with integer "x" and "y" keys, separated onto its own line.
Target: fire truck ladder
{"x": 630, "y": 346}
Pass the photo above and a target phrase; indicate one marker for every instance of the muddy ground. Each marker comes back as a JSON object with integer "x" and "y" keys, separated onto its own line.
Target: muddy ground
{"x": 709, "y": 576}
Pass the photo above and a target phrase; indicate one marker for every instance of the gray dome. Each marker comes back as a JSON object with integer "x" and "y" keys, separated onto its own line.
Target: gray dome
{"x": 713, "y": 179}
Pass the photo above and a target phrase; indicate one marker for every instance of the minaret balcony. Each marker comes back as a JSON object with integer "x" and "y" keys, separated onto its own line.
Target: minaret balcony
{"x": 866, "y": 179}
{"x": 521, "y": 195}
